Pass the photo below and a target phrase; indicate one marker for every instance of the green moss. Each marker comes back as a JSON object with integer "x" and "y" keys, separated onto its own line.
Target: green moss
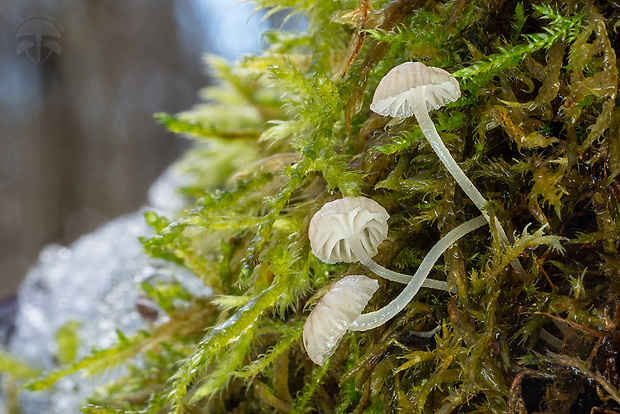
{"x": 536, "y": 130}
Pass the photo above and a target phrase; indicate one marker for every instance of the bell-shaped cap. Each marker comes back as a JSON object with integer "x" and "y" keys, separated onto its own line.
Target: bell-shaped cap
{"x": 414, "y": 84}
{"x": 332, "y": 315}
{"x": 337, "y": 223}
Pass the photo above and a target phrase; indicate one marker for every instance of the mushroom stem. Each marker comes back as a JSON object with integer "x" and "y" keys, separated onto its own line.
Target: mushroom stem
{"x": 431, "y": 134}
{"x": 373, "y": 319}
{"x": 363, "y": 258}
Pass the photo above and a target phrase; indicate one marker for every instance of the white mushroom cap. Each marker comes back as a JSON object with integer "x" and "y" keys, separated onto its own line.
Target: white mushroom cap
{"x": 332, "y": 315}
{"x": 336, "y": 223}
{"x": 411, "y": 84}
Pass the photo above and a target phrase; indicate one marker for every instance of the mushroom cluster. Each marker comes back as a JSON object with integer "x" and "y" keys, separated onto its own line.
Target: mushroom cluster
{"x": 349, "y": 230}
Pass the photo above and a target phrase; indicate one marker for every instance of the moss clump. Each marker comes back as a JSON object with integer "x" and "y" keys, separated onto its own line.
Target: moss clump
{"x": 537, "y": 131}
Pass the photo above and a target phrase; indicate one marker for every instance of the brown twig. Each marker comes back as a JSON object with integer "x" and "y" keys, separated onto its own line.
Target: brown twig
{"x": 553, "y": 287}
{"x": 355, "y": 44}
{"x": 515, "y": 400}
{"x": 575, "y": 325}
{"x": 579, "y": 365}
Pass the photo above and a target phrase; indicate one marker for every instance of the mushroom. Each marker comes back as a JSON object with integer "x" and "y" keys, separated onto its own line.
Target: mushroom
{"x": 373, "y": 319}
{"x": 350, "y": 230}
{"x": 332, "y": 315}
{"x": 413, "y": 88}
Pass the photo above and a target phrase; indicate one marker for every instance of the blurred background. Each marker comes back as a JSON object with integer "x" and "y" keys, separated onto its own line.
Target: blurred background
{"x": 79, "y": 83}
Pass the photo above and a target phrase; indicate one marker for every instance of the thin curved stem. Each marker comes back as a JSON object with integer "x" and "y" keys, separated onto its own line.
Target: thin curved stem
{"x": 433, "y": 138}
{"x": 363, "y": 258}
{"x": 373, "y": 319}
{"x": 431, "y": 134}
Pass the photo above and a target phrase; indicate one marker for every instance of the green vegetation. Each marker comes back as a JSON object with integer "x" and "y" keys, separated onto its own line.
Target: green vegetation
{"x": 284, "y": 132}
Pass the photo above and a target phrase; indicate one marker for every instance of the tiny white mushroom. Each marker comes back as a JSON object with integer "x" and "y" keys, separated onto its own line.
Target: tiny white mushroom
{"x": 413, "y": 89}
{"x": 350, "y": 230}
{"x": 373, "y": 319}
{"x": 332, "y": 315}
